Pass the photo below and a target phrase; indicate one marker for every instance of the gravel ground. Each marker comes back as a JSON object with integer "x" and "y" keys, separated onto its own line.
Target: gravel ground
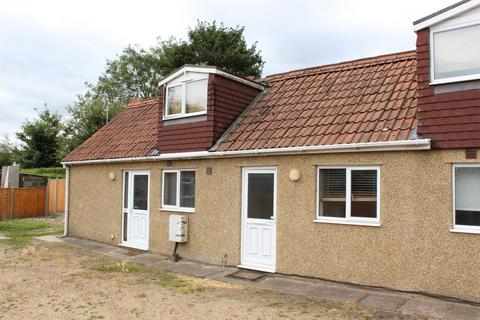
{"x": 54, "y": 281}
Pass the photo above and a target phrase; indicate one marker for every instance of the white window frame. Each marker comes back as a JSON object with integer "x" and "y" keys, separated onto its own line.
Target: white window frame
{"x": 447, "y": 28}
{"x": 461, "y": 228}
{"x": 166, "y": 207}
{"x": 373, "y": 222}
{"x": 183, "y": 113}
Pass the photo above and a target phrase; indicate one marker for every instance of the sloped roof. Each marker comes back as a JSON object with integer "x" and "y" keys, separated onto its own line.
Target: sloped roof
{"x": 367, "y": 100}
{"x": 132, "y": 133}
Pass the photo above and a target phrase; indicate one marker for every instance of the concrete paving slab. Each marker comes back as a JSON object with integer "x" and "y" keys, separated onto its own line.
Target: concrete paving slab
{"x": 427, "y": 307}
{"x": 340, "y": 294}
{"x": 147, "y": 259}
{"x": 51, "y": 239}
{"x": 463, "y": 312}
{"x": 195, "y": 270}
{"x": 383, "y": 301}
{"x": 387, "y": 315}
{"x": 286, "y": 285}
{"x": 309, "y": 289}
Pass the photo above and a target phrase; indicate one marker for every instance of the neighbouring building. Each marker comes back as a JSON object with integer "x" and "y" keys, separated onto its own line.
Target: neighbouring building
{"x": 363, "y": 171}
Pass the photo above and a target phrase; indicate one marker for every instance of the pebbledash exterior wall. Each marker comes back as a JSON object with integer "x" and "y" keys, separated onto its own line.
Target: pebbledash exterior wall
{"x": 412, "y": 250}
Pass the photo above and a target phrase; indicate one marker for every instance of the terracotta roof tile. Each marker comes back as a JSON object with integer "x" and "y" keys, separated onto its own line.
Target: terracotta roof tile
{"x": 133, "y": 133}
{"x": 366, "y": 100}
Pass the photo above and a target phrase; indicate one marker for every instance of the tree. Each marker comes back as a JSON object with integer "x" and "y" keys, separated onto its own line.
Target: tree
{"x": 86, "y": 116}
{"x": 41, "y": 140}
{"x": 215, "y": 45}
{"x": 133, "y": 74}
{"x": 6, "y": 152}
{"x": 136, "y": 72}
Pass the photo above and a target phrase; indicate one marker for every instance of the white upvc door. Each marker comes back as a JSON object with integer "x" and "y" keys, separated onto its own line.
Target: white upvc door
{"x": 135, "y": 217}
{"x": 259, "y": 202}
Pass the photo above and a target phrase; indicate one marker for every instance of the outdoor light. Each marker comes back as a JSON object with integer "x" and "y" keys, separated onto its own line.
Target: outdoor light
{"x": 111, "y": 175}
{"x": 294, "y": 175}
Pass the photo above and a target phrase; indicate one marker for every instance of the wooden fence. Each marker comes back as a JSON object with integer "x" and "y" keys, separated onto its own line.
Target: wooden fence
{"x": 22, "y": 203}
{"x": 56, "y": 195}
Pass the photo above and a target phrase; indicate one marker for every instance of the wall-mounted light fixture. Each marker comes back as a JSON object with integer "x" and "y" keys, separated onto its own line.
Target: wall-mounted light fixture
{"x": 294, "y": 175}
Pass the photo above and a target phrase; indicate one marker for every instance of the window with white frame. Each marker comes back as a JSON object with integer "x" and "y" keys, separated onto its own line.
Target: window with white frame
{"x": 178, "y": 190}
{"x": 467, "y": 197}
{"x": 455, "y": 53}
{"x": 186, "y": 98}
{"x": 348, "y": 195}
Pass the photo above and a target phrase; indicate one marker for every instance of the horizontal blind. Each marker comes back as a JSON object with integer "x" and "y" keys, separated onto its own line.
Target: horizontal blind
{"x": 333, "y": 183}
{"x": 364, "y": 184}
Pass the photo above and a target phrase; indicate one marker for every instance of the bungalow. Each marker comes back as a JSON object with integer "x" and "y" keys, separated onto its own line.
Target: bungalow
{"x": 363, "y": 171}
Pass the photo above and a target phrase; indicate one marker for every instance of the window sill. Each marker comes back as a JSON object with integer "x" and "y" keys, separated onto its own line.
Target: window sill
{"x": 186, "y": 115}
{"x": 353, "y": 223}
{"x": 462, "y": 230}
{"x": 184, "y": 210}
{"x": 455, "y": 79}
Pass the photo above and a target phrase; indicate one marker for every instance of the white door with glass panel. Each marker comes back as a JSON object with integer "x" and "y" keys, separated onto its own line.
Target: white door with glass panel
{"x": 135, "y": 213}
{"x": 258, "y": 219}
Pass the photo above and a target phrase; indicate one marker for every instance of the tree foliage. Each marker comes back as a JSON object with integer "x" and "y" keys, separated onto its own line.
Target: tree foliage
{"x": 86, "y": 116}
{"x": 133, "y": 74}
{"x": 136, "y": 72}
{"x": 41, "y": 140}
{"x": 215, "y": 45}
{"x": 6, "y": 152}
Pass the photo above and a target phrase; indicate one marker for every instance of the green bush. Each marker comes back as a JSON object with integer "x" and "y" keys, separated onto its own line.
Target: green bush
{"x": 54, "y": 172}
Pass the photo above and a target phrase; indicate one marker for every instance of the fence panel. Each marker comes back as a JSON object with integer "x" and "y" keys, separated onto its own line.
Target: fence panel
{"x": 4, "y": 203}
{"x": 28, "y": 202}
{"x": 22, "y": 203}
{"x": 56, "y": 195}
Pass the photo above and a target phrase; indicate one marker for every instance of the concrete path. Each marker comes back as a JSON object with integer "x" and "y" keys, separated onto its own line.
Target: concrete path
{"x": 389, "y": 304}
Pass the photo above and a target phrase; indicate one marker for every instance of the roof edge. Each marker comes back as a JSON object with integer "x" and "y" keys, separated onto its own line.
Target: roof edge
{"x": 401, "y": 145}
{"x": 444, "y": 14}
{"x": 209, "y": 69}
{"x": 348, "y": 64}
{"x": 136, "y": 103}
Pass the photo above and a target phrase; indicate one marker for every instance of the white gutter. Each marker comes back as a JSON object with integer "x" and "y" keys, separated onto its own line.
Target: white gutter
{"x": 67, "y": 199}
{"x": 403, "y": 145}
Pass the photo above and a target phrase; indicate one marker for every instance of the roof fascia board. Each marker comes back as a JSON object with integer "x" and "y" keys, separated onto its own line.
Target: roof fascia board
{"x": 435, "y": 19}
{"x": 212, "y": 70}
{"x": 403, "y": 145}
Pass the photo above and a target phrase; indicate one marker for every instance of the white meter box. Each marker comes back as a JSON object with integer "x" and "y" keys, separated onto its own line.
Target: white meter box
{"x": 178, "y": 228}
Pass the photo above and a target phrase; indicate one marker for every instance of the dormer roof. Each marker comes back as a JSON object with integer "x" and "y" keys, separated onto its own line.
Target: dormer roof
{"x": 209, "y": 70}
{"x": 445, "y": 13}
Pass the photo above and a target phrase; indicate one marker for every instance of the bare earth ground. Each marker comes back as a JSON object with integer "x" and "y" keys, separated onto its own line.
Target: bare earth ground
{"x": 55, "y": 281}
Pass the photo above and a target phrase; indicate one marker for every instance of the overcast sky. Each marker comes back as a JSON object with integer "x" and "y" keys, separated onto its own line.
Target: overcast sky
{"x": 48, "y": 49}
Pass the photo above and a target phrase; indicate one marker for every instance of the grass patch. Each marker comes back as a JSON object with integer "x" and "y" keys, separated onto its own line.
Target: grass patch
{"x": 53, "y": 173}
{"x": 170, "y": 281}
{"x": 124, "y": 267}
{"x": 21, "y": 231}
{"x": 182, "y": 284}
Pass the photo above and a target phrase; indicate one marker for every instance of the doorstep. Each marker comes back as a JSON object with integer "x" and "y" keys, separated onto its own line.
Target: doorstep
{"x": 390, "y": 304}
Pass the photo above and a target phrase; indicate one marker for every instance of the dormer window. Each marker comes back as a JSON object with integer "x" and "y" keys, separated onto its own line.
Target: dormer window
{"x": 455, "y": 53}
{"x": 187, "y": 96}
{"x": 186, "y": 91}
